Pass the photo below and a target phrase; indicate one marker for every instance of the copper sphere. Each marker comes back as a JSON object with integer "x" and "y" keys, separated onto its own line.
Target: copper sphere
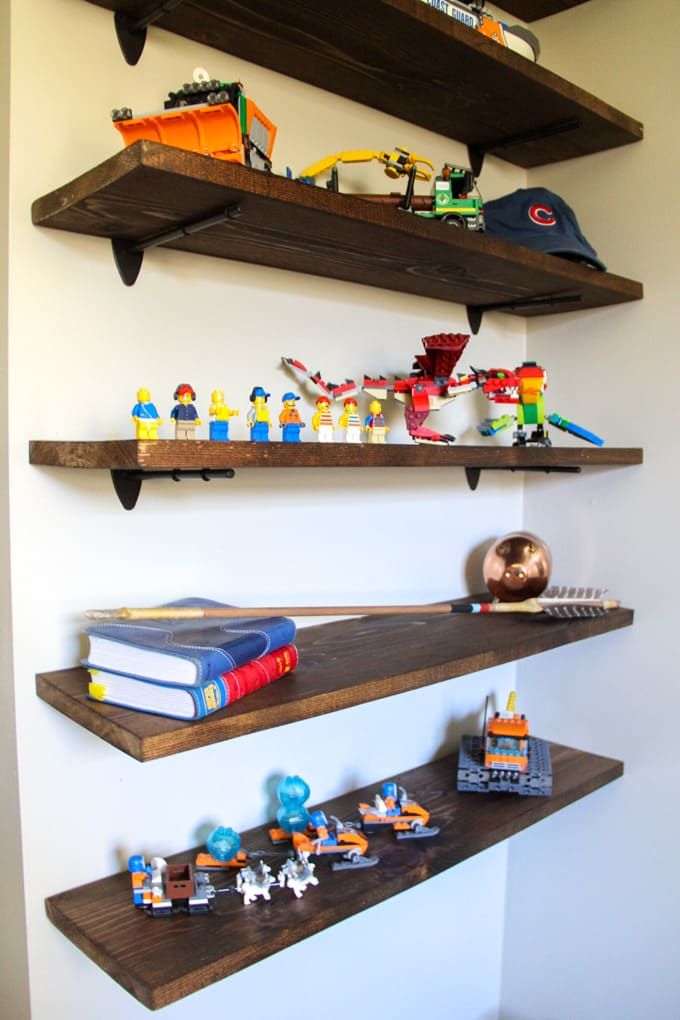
{"x": 517, "y": 567}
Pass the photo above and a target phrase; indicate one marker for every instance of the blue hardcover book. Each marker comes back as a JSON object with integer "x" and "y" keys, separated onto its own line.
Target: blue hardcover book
{"x": 195, "y": 701}
{"x": 186, "y": 652}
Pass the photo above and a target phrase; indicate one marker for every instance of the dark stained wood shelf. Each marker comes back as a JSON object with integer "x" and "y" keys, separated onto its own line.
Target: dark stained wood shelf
{"x": 148, "y": 190}
{"x": 413, "y": 62}
{"x": 161, "y": 960}
{"x": 344, "y": 663}
{"x": 131, "y": 454}
{"x": 131, "y": 462}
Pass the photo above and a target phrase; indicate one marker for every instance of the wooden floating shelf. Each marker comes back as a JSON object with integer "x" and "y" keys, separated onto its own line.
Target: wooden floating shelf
{"x": 413, "y": 62}
{"x": 161, "y": 960}
{"x": 148, "y": 190}
{"x": 342, "y": 664}
{"x": 132, "y": 462}
{"x": 131, "y": 454}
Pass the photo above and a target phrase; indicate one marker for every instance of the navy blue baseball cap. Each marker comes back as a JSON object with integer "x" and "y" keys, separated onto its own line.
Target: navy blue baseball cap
{"x": 539, "y": 219}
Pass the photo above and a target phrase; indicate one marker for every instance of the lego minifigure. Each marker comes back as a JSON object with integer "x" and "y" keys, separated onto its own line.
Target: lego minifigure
{"x": 258, "y": 416}
{"x": 289, "y": 419}
{"x": 350, "y": 421}
{"x": 219, "y": 416}
{"x": 184, "y": 413}
{"x": 375, "y": 425}
{"x": 145, "y": 416}
{"x": 322, "y": 422}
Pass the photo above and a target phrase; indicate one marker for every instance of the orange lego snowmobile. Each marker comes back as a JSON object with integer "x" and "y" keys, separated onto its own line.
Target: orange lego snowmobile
{"x": 322, "y": 837}
{"x": 394, "y": 807}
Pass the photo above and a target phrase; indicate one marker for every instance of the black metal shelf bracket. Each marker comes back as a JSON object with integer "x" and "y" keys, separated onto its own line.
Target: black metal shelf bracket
{"x": 475, "y": 313}
{"x": 128, "y": 481}
{"x": 131, "y": 32}
{"x": 473, "y": 473}
{"x": 129, "y": 256}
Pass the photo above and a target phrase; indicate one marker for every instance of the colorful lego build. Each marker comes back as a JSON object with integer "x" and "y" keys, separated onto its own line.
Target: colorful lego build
{"x": 429, "y": 386}
{"x": 432, "y": 384}
{"x": 524, "y": 387}
{"x": 290, "y": 421}
{"x": 340, "y": 840}
{"x": 184, "y": 413}
{"x": 160, "y": 888}
{"x": 451, "y": 201}
{"x": 312, "y": 833}
{"x": 208, "y": 116}
{"x": 145, "y": 416}
{"x": 219, "y": 416}
{"x": 399, "y": 163}
{"x": 505, "y": 759}
{"x": 394, "y": 808}
{"x": 258, "y": 420}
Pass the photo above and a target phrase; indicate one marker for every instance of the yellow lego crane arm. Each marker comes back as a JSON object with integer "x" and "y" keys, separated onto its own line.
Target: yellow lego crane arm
{"x": 397, "y": 163}
{"x": 512, "y": 700}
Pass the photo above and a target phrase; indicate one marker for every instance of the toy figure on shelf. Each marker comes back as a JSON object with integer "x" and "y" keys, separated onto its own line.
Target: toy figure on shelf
{"x": 505, "y": 759}
{"x": 289, "y": 419}
{"x": 322, "y": 422}
{"x": 375, "y": 425}
{"x": 313, "y": 833}
{"x": 430, "y": 385}
{"x": 208, "y": 116}
{"x": 254, "y": 882}
{"x": 184, "y": 413}
{"x": 297, "y": 873}
{"x": 322, "y": 837}
{"x": 222, "y": 850}
{"x": 393, "y": 807}
{"x": 145, "y": 416}
{"x": 399, "y": 163}
{"x": 160, "y": 888}
{"x": 219, "y": 416}
{"x": 293, "y": 792}
{"x": 350, "y": 421}
{"x": 258, "y": 416}
{"x": 524, "y": 387}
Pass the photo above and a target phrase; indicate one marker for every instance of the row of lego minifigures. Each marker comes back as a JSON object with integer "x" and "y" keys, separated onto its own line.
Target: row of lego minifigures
{"x": 185, "y": 416}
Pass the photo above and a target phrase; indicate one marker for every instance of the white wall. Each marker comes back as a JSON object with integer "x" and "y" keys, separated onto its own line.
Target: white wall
{"x": 593, "y": 896}
{"x": 80, "y": 344}
{"x": 13, "y": 973}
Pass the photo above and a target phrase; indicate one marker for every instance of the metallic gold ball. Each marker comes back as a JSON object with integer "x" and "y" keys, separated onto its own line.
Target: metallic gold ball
{"x": 517, "y": 567}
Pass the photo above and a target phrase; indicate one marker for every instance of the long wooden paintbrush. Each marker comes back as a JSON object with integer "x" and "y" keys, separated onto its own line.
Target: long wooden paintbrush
{"x": 561, "y": 602}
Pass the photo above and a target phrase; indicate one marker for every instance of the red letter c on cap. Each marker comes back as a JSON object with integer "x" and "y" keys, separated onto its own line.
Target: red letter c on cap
{"x": 542, "y": 215}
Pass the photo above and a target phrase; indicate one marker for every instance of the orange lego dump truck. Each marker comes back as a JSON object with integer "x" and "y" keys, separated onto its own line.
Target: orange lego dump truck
{"x": 208, "y": 116}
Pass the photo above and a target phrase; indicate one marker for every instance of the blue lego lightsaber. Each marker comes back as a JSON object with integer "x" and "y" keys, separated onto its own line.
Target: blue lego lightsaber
{"x": 575, "y": 430}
